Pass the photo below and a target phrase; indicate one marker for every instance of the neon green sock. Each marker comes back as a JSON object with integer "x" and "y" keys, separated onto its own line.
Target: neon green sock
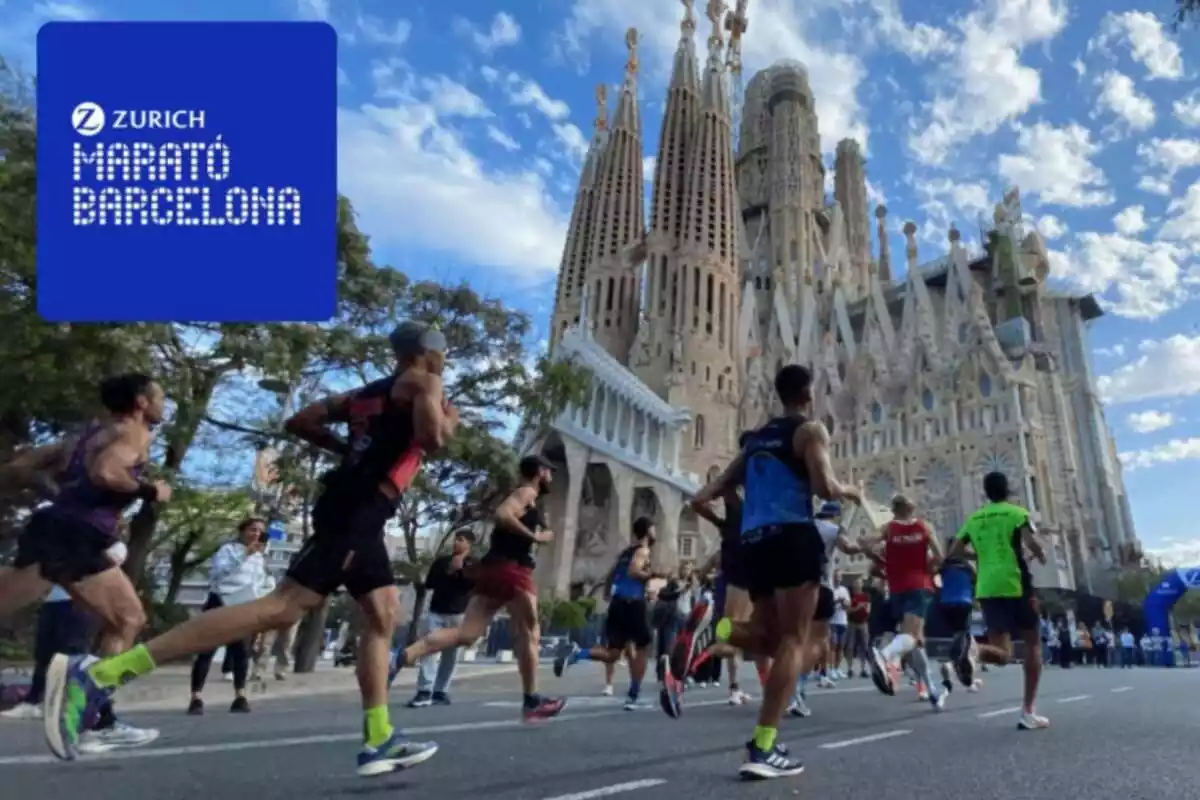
{"x": 764, "y": 738}
{"x": 109, "y": 673}
{"x": 724, "y": 630}
{"x": 376, "y": 727}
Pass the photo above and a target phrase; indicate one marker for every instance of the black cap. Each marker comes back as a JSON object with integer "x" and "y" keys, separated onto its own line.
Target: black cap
{"x": 411, "y": 338}
{"x": 532, "y": 463}
{"x": 995, "y": 486}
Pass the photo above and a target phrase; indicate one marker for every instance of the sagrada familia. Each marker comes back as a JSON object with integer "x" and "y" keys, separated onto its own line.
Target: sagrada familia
{"x": 927, "y": 377}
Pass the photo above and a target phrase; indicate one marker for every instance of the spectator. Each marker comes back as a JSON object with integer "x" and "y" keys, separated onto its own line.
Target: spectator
{"x": 451, "y": 587}
{"x": 1128, "y": 649}
{"x": 858, "y": 636}
{"x": 1100, "y": 638}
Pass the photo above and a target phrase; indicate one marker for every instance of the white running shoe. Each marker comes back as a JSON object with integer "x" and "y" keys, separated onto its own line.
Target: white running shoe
{"x": 119, "y": 737}
{"x": 22, "y": 711}
{"x": 738, "y": 698}
{"x": 976, "y": 686}
{"x": 1032, "y": 722}
{"x": 947, "y": 676}
{"x": 799, "y": 708}
{"x": 826, "y": 683}
{"x": 608, "y": 691}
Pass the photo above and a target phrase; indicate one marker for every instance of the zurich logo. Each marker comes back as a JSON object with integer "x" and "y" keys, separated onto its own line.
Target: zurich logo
{"x": 88, "y": 119}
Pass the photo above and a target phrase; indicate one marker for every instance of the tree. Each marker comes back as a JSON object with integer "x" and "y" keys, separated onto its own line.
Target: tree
{"x": 192, "y": 527}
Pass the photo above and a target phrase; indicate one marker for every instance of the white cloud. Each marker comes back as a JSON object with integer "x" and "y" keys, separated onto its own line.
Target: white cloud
{"x": 1148, "y": 42}
{"x": 313, "y": 9}
{"x": 1164, "y": 369}
{"x": 1150, "y": 421}
{"x": 376, "y": 31}
{"x": 1167, "y": 156}
{"x": 1051, "y": 227}
{"x": 1187, "y": 110}
{"x": 1176, "y": 552}
{"x": 1079, "y": 67}
{"x": 1119, "y": 96}
{"x": 1130, "y": 221}
{"x": 503, "y": 139}
{"x": 986, "y": 85}
{"x": 919, "y": 41}
{"x": 875, "y": 195}
{"x": 1116, "y": 351}
{"x": 1139, "y": 280}
{"x": 648, "y": 164}
{"x": 504, "y": 32}
{"x": 1183, "y": 219}
{"x": 1169, "y": 453}
{"x": 1055, "y": 164}
{"x": 1155, "y": 185}
{"x": 70, "y": 12}
{"x": 572, "y": 140}
{"x": 529, "y": 93}
{"x": 415, "y": 183}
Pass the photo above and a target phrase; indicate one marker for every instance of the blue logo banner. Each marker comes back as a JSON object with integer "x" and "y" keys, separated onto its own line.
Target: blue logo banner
{"x": 187, "y": 171}
{"x": 1162, "y": 598}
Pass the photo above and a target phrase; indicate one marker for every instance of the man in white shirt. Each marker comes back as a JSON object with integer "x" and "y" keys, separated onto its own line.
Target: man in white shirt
{"x": 1128, "y": 649}
{"x": 837, "y": 627}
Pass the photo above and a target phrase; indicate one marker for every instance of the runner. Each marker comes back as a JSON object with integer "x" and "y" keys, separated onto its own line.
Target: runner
{"x": 998, "y": 533}
{"x": 504, "y": 579}
{"x": 627, "y": 624}
{"x": 955, "y": 599}
{"x": 391, "y": 423}
{"x": 782, "y": 465}
{"x": 909, "y": 552}
{"x": 70, "y": 543}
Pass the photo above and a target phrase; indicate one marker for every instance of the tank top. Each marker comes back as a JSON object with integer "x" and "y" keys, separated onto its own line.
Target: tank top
{"x": 381, "y": 444}
{"x": 508, "y": 546}
{"x": 625, "y": 586}
{"x": 957, "y": 586}
{"x": 81, "y": 499}
{"x": 907, "y": 557}
{"x": 829, "y": 536}
{"x": 776, "y": 480}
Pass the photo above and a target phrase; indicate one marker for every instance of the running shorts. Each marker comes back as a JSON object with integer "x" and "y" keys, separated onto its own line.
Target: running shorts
{"x": 627, "y": 623}
{"x": 1011, "y": 615}
{"x": 824, "y": 611}
{"x": 733, "y": 568}
{"x": 915, "y": 603}
{"x": 957, "y": 617}
{"x": 783, "y": 557}
{"x": 347, "y": 545}
{"x": 501, "y": 581}
{"x": 66, "y": 550}
{"x": 837, "y": 633}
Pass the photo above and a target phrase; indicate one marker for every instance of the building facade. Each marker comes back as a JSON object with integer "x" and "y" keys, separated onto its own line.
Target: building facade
{"x": 967, "y": 364}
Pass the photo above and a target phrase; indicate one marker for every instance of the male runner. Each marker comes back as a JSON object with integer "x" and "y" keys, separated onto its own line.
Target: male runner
{"x": 93, "y": 478}
{"x": 392, "y": 422}
{"x": 782, "y": 465}
{"x": 955, "y": 600}
{"x": 909, "y": 551}
{"x": 504, "y": 579}
{"x": 998, "y": 533}
{"x": 627, "y": 623}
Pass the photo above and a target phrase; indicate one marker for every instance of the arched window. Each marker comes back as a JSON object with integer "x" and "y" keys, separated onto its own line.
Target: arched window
{"x": 876, "y": 413}
{"x": 985, "y": 385}
{"x": 698, "y": 432}
{"x": 927, "y": 400}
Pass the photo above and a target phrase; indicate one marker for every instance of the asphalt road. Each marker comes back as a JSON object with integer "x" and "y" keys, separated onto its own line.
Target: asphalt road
{"x": 1115, "y": 735}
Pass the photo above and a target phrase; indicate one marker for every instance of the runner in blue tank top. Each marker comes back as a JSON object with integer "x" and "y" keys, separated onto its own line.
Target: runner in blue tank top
{"x": 955, "y": 600}
{"x": 781, "y": 467}
{"x": 93, "y": 479}
{"x": 627, "y": 623}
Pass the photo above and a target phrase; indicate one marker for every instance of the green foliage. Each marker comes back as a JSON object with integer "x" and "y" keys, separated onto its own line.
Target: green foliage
{"x": 193, "y": 526}
{"x": 561, "y": 616}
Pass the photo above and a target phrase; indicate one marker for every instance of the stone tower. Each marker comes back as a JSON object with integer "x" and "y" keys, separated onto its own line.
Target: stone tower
{"x": 651, "y": 356}
{"x": 705, "y": 283}
{"x": 577, "y": 250}
{"x": 850, "y": 191}
{"x": 613, "y": 282}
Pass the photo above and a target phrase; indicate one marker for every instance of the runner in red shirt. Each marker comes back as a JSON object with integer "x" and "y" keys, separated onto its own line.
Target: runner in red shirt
{"x": 911, "y": 554}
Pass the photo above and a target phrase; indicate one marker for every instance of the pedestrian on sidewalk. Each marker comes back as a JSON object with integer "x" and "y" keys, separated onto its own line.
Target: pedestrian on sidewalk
{"x": 236, "y": 576}
{"x": 448, "y": 580}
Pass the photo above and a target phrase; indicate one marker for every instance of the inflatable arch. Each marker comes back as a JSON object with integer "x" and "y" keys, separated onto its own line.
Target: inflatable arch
{"x": 1163, "y": 597}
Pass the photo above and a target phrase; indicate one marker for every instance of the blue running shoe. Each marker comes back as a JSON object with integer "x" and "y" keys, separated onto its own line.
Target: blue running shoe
{"x": 72, "y": 700}
{"x": 395, "y": 754}
{"x": 763, "y": 765}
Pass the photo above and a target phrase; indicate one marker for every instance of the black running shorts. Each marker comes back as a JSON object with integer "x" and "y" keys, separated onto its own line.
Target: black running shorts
{"x": 957, "y": 617}
{"x": 824, "y": 611}
{"x": 733, "y": 567}
{"x": 347, "y": 546}
{"x": 1012, "y": 615}
{"x": 783, "y": 557}
{"x": 66, "y": 550}
{"x": 627, "y": 623}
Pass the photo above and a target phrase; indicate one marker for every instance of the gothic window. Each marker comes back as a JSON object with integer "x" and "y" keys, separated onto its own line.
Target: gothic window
{"x": 876, "y": 413}
{"x": 985, "y": 384}
{"x": 927, "y": 400}
{"x": 698, "y": 432}
{"x": 962, "y": 333}
{"x": 687, "y": 547}
{"x": 829, "y": 424}
{"x": 940, "y": 500}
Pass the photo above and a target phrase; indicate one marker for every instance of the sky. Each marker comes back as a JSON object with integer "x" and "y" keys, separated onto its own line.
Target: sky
{"x": 462, "y": 126}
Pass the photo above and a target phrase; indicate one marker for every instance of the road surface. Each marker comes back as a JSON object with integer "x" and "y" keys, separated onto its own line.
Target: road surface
{"x": 1117, "y": 734}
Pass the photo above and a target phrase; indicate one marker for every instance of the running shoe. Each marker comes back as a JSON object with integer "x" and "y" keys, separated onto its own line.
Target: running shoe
{"x": 670, "y": 696}
{"x": 937, "y": 699}
{"x": 635, "y": 704}
{"x": 421, "y": 700}
{"x": 947, "y": 677}
{"x": 763, "y": 765}
{"x": 608, "y": 691}
{"x": 72, "y": 698}
{"x": 546, "y": 708}
{"x": 687, "y": 643}
{"x": 799, "y": 708}
{"x": 22, "y": 711}
{"x": 826, "y": 683}
{"x": 441, "y": 699}
{"x": 240, "y": 705}
{"x": 1032, "y": 722}
{"x": 960, "y": 654}
{"x": 738, "y": 698}
{"x": 567, "y": 654}
{"x": 881, "y": 673}
{"x": 976, "y": 686}
{"x": 120, "y": 736}
{"x": 395, "y": 754}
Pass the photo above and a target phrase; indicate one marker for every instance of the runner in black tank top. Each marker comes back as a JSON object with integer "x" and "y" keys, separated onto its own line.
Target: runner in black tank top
{"x": 504, "y": 579}
{"x": 97, "y": 477}
{"x": 627, "y": 623}
{"x": 392, "y": 422}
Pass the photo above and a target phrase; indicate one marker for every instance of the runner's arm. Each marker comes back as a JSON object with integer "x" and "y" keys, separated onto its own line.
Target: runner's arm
{"x": 811, "y": 443}
{"x": 843, "y": 544}
{"x": 113, "y": 464}
{"x": 434, "y": 421}
{"x": 936, "y": 556}
{"x": 732, "y": 476}
{"x": 961, "y": 544}
{"x": 639, "y": 565}
{"x": 311, "y": 423}
{"x": 1028, "y": 537}
{"x": 705, "y": 510}
{"x": 510, "y": 511}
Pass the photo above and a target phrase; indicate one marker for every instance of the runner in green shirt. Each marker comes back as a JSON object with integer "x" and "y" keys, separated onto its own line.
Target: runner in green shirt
{"x": 999, "y": 533}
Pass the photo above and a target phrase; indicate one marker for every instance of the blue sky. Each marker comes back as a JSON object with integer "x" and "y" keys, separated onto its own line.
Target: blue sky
{"x": 462, "y": 125}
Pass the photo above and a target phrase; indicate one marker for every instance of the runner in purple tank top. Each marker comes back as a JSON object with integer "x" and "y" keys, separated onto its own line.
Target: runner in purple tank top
{"x": 93, "y": 479}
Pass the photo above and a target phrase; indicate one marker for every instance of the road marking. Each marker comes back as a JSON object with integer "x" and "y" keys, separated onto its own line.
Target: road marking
{"x": 1120, "y": 689}
{"x": 616, "y": 788}
{"x": 998, "y": 712}
{"x": 1074, "y": 699}
{"x": 875, "y": 737}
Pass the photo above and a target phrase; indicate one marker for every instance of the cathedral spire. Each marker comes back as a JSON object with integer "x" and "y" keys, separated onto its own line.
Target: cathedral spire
{"x": 679, "y": 117}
